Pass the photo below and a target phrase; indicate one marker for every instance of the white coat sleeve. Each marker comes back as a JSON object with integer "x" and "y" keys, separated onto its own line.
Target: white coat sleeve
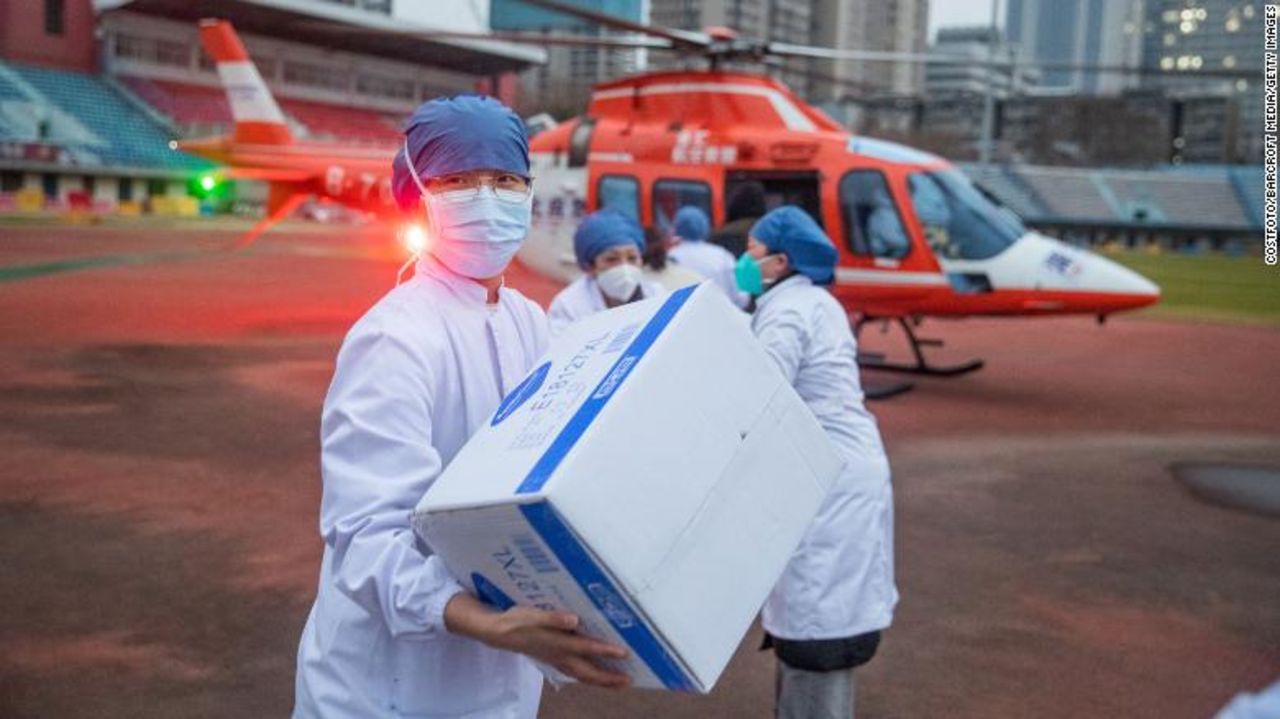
{"x": 784, "y": 333}
{"x": 377, "y": 461}
{"x": 559, "y": 315}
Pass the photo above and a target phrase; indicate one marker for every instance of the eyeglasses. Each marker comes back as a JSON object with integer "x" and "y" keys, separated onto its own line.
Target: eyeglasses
{"x": 463, "y": 186}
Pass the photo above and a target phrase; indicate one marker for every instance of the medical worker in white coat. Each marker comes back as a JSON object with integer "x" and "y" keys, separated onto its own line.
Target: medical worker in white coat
{"x": 690, "y": 229}
{"x": 609, "y": 247}
{"x": 825, "y": 615}
{"x": 392, "y": 633}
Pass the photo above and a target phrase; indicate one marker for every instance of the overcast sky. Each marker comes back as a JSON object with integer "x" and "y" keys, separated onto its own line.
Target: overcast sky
{"x": 944, "y": 13}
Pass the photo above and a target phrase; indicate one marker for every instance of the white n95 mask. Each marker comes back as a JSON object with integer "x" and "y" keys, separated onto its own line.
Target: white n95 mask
{"x": 619, "y": 283}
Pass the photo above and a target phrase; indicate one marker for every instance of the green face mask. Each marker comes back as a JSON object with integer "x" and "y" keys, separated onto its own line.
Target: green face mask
{"x": 747, "y": 274}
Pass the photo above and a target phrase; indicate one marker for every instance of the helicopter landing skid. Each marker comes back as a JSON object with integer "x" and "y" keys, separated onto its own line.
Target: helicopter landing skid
{"x": 921, "y": 365}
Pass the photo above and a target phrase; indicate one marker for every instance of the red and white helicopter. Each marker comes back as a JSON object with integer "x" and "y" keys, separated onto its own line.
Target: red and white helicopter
{"x": 916, "y": 237}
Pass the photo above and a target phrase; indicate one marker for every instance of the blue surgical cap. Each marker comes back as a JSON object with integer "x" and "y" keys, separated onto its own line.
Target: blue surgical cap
{"x": 603, "y": 230}
{"x": 692, "y": 224}
{"x": 458, "y": 134}
{"x": 791, "y": 231}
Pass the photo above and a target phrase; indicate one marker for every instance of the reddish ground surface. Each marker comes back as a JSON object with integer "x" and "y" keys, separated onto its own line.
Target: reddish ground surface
{"x": 159, "y": 491}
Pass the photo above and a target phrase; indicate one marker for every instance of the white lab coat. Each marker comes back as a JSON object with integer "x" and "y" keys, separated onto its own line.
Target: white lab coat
{"x": 1264, "y": 704}
{"x": 672, "y": 276}
{"x": 582, "y": 298}
{"x": 840, "y": 581}
{"x": 415, "y": 377}
{"x": 712, "y": 262}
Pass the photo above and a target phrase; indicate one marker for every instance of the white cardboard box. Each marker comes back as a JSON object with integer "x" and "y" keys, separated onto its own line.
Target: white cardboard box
{"x": 653, "y": 475}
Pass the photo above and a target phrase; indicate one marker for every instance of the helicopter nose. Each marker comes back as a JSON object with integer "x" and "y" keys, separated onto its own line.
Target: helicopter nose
{"x": 1098, "y": 283}
{"x": 1126, "y": 289}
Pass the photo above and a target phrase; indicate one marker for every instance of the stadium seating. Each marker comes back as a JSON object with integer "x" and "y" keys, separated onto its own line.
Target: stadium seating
{"x": 332, "y": 123}
{"x": 1246, "y": 181}
{"x": 189, "y": 106}
{"x": 1012, "y": 190}
{"x": 200, "y": 109}
{"x": 8, "y": 90}
{"x": 1214, "y": 197}
{"x": 94, "y": 123}
{"x": 1067, "y": 192}
{"x": 1182, "y": 199}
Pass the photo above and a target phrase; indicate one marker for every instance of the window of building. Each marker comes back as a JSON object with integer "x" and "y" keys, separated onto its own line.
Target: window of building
{"x": 872, "y": 225}
{"x": 124, "y": 189}
{"x": 54, "y": 16}
{"x": 89, "y": 183}
{"x": 383, "y": 86}
{"x": 10, "y": 181}
{"x": 670, "y": 195}
{"x": 961, "y": 221}
{"x": 152, "y": 51}
{"x": 49, "y": 185}
{"x": 300, "y": 73}
{"x": 156, "y": 188}
{"x": 619, "y": 192}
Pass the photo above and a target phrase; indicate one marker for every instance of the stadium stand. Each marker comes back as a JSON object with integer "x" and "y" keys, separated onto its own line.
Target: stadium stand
{"x": 1067, "y": 192}
{"x": 188, "y": 106}
{"x": 1180, "y": 199}
{"x": 8, "y": 90}
{"x": 200, "y": 109}
{"x": 88, "y": 119}
{"x": 332, "y": 123}
{"x": 1186, "y": 202}
{"x": 1248, "y": 183}
{"x": 1011, "y": 189}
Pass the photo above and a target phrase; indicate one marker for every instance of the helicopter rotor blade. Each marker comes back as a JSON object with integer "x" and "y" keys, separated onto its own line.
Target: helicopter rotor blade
{"x": 624, "y": 42}
{"x": 827, "y": 53}
{"x": 687, "y": 38}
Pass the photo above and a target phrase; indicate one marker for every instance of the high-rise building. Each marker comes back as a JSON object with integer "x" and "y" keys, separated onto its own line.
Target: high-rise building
{"x": 955, "y": 92}
{"x": 862, "y": 93}
{"x": 1219, "y": 118}
{"x": 563, "y": 85}
{"x": 786, "y": 21}
{"x": 1077, "y": 32}
{"x": 885, "y": 25}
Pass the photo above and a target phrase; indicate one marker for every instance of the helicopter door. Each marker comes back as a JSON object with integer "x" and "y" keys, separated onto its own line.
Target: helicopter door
{"x": 780, "y": 188}
{"x": 872, "y": 220}
{"x": 750, "y": 194}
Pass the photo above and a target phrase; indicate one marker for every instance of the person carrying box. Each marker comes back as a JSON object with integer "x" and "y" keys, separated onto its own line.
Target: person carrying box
{"x": 391, "y": 632}
{"x": 825, "y": 615}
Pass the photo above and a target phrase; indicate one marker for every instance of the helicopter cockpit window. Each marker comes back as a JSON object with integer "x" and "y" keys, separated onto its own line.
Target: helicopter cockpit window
{"x": 619, "y": 192}
{"x": 872, "y": 224}
{"x": 670, "y": 195}
{"x": 959, "y": 221}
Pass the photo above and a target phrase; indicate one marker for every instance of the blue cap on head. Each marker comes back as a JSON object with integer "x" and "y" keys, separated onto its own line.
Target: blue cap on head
{"x": 458, "y": 134}
{"x": 602, "y": 230}
{"x": 691, "y": 224}
{"x": 791, "y": 231}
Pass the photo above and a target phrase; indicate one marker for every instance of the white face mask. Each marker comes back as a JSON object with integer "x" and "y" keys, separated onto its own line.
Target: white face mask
{"x": 476, "y": 236}
{"x": 619, "y": 283}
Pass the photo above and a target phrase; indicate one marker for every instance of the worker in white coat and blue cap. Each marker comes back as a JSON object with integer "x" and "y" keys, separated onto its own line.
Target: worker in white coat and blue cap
{"x": 609, "y": 247}
{"x": 690, "y": 229}
{"x": 392, "y": 633}
{"x": 825, "y": 615}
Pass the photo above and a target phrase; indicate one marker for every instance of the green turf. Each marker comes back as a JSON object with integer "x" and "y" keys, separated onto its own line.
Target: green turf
{"x": 1210, "y": 287}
